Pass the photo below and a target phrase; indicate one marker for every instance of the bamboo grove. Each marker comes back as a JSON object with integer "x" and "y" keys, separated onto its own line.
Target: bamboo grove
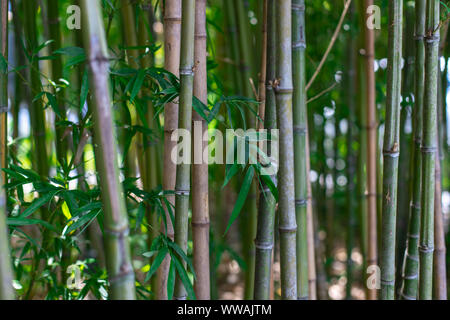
{"x": 224, "y": 149}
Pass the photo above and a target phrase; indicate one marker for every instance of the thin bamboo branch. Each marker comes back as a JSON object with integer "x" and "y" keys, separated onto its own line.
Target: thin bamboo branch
{"x": 331, "y": 44}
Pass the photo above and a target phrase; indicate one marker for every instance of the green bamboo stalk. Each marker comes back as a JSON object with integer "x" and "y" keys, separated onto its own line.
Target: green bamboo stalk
{"x": 439, "y": 259}
{"x": 149, "y": 161}
{"x": 57, "y": 74}
{"x": 411, "y": 265}
{"x": 117, "y": 249}
{"x": 200, "y": 206}
{"x": 284, "y": 89}
{"x": 6, "y": 273}
{"x": 172, "y": 33}
{"x": 36, "y": 108}
{"x": 37, "y": 115}
{"x": 244, "y": 50}
{"x": 391, "y": 150}
{"x": 249, "y": 219}
{"x": 266, "y": 212}
{"x": 351, "y": 156}
{"x": 300, "y": 134}
{"x": 182, "y": 186}
{"x": 405, "y": 141}
{"x": 429, "y": 148}
{"x": 361, "y": 179}
{"x": 233, "y": 48}
{"x": 439, "y": 263}
{"x": 371, "y": 129}
{"x": 134, "y": 160}
{"x": 312, "y": 273}
{"x": 19, "y": 92}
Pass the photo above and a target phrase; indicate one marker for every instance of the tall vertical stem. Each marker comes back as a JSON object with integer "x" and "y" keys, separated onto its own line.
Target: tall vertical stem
{"x": 172, "y": 33}
{"x": 351, "y": 156}
{"x": 118, "y": 260}
{"x": 429, "y": 148}
{"x": 148, "y": 165}
{"x": 57, "y": 74}
{"x": 371, "y": 148}
{"x": 391, "y": 149}
{"x": 439, "y": 263}
{"x": 200, "y": 206}
{"x": 183, "y": 183}
{"x": 300, "y": 134}
{"x": 266, "y": 212}
{"x": 6, "y": 275}
{"x": 249, "y": 219}
{"x": 287, "y": 223}
{"x": 411, "y": 266}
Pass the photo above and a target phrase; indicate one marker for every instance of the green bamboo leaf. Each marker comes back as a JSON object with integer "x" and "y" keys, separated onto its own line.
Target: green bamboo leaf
{"x": 157, "y": 262}
{"x": 241, "y": 197}
{"x": 137, "y": 84}
{"x": 184, "y": 277}
{"x": 271, "y": 185}
{"x": 183, "y": 255}
{"x": 78, "y": 222}
{"x": 36, "y": 204}
{"x": 19, "y": 221}
{"x": 84, "y": 89}
{"x": 171, "y": 281}
{"x": 230, "y": 173}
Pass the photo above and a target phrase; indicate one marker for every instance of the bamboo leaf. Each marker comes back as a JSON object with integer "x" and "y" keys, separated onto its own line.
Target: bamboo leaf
{"x": 157, "y": 262}
{"x": 36, "y": 204}
{"x": 241, "y": 197}
{"x": 184, "y": 277}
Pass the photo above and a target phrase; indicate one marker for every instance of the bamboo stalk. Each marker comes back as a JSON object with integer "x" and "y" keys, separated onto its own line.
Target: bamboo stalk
{"x": 57, "y": 74}
{"x": 411, "y": 265}
{"x": 300, "y": 135}
{"x": 172, "y": 33}
{"x": 351, "y": 156}
{"x": 148, "y": 148}
{"x": 429, "y": 148}
{"x": 263, "y": 72}
{"x": 361, "y": 179}
{"x": 244, "y": 50}
{"x": 200, "y": 207}
{"x": 233, "y": 47}
{"x": 6, "y": 273}
{"x": 37, "y": 115}
{"x": 371, "y": 148}
{"x": 405, "y": 142}
{"x": 284, "y": 89}
{"x": 182, "y": 186}
{"x": 266, "y": 212}
{"x": 439, "y": 263}
{"x": 118, "y": 260}
{"x": 312, "y": 274}
{"x": 391, "y": 150}
{"x": 249, "y": 219}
